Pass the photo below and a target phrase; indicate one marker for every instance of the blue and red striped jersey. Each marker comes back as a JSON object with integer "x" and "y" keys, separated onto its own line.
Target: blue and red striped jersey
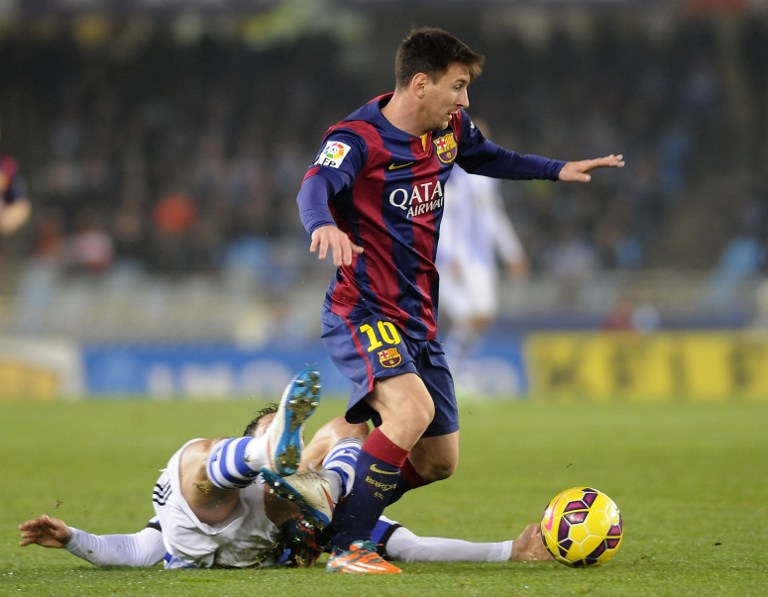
{"x": 384, "y": 188}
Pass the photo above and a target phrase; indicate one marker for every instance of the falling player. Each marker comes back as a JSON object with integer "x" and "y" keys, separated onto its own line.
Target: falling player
{"x": 335, "y": 444}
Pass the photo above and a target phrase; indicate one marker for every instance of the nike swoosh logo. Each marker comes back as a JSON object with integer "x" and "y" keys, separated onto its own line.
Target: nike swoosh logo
{"x": 376, "y": 469}
{"x": 394, "y": 166}
{"x": 551, "y": 520}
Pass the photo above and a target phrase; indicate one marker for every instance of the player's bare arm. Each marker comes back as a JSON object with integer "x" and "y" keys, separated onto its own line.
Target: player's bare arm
{"x": 45, "y": 531}
{"x": 579, "y": 171}
{"x": 330, "y": 237}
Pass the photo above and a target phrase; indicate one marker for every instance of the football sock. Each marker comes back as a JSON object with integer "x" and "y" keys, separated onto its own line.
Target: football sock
{"x": 409, "y": 479}
{"x": 232, "y": 463}
{"x": 342, "y": 460}
{"x": 258, "y": 453}
{"x": 376, "y": 475}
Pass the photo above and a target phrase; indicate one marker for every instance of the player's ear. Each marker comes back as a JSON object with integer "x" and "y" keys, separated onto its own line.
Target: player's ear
{"x": 419, "y": 84}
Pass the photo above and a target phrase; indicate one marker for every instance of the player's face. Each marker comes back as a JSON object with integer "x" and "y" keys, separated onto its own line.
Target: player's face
{"x": 263, "y": 425}
{"x": 445, "y": 97}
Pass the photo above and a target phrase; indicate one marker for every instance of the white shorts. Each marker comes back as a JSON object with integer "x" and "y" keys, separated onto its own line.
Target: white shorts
{"x": 243, "y": 540}
{"x": 470, "y": 295}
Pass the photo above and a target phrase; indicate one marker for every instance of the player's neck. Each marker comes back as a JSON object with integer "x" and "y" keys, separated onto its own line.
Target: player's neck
{"x": 403, "y": 114}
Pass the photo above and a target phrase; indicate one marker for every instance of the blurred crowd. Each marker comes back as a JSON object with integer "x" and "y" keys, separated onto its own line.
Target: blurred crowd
{"x": 175, "y": 158}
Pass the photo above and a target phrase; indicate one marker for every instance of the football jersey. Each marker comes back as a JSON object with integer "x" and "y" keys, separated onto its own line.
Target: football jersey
{"x": 385, "y": 188}
{"x": 245, "y": 539}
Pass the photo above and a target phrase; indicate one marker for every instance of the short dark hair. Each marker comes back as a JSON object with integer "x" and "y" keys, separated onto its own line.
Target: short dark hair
{"x": 432, "y": 51}
{"x": 267, "y": 410}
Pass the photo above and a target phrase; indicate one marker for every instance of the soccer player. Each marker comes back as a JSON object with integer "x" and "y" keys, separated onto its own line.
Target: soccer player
{"x": 15, "y": 207}
{"x": 394, "y": 541}
{"x": 476, "y": 234}
{"x": 373, "y": 198}
{"x": 213, "y": 506}
{"x": 215, "y": 511}
{"x": 334, "y": 444}
{"x": 214, "y": 515}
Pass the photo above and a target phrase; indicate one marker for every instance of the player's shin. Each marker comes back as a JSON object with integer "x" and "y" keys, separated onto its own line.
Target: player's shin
{"x": 342, "y": 460}
{"x": 376, "y": 477}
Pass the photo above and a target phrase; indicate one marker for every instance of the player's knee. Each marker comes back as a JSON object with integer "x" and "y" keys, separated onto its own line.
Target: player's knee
{"x": 410, "y": 417}
{"x": 404, "y": 400}
{"x": 419, "y": 414}
{"x": 337, "y": 429}
{"x": 435, "y": 460}
{"x": 342, "y": 429}
{"x": 438, "y": 470}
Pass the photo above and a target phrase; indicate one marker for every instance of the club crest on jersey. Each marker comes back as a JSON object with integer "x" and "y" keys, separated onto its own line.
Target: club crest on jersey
{"x": 390, "y": 357}
{"x": 446, "y": 148}
{"x": 333, "y": 154}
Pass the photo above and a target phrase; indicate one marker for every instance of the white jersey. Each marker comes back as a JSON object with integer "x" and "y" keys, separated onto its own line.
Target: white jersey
{"x": 474, "y": 232}
{"x": 243, "y": 540}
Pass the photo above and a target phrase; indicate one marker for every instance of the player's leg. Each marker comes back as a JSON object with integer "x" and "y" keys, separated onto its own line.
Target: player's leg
{"x": 405, "y": 409}
{"x": 332, "y": 452}
{"x": 435, "y": 458}
{"x": 235, "y": 462}
{"x": 327, "y": 470}
{"x": 211, "y": 469}
{"x": 316, "y": 491}
{"x": 457, "y": 305}
{"x": 383, "y": 366}
{"x": 436, "y": 454}
{"x": 283, "y": 443}
{"x": 328, "y": 436}
{"x": 469, "y": 317}
{"x": 430, "y": 460}
{"x": 384, "y": 452}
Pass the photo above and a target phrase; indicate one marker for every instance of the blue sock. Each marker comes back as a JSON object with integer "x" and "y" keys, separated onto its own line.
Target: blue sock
{"x": 229, "y": 465}
{"x": 376, "y": 477}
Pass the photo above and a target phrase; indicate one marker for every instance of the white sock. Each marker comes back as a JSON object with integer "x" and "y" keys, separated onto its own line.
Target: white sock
{"x": 256, "y": 453}
{"x": 341, "y": 460}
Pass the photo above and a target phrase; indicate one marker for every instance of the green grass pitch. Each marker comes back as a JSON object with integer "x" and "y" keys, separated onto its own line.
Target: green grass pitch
{"x": 691, "y": 481}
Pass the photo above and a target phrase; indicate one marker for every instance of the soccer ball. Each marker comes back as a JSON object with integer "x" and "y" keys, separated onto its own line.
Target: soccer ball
{"x": 582, "y": 527}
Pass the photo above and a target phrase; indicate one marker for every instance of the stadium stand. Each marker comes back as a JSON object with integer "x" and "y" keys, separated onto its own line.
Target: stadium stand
{"x": 163, "y": 155}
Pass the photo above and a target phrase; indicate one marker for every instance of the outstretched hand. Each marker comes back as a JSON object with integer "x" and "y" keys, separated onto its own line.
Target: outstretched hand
{"x": 529, "y": 546}
{"x": 45, "y": 531}
{"x": 330, "y": 237}
{"x": 578, "y": 171}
